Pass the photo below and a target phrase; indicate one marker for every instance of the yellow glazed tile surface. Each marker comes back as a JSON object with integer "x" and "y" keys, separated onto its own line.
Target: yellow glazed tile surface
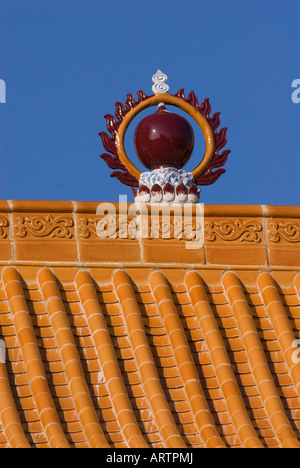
{"x": 115, "y": 346}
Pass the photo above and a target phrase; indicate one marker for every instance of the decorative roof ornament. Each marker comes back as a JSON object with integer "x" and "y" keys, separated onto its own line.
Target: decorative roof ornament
{"x": 160, "y": 83}
{"x": 164, "y": 143}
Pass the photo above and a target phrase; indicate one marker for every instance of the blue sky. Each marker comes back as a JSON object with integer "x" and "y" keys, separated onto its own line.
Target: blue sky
{"x": 66, "y": 62}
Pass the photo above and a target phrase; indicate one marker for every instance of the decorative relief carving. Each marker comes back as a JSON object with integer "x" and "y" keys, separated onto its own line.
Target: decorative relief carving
{"x": 87, "y": 227}
{"x": 45, "y": 226}
{"x": 134, "y": 227}
{"x": 107, "y": 226}
{"x": 230, "y": 230}
{"x": 177, "y": 228}
{"x": 3, "y": 227}
{"x": 289, "y": 231}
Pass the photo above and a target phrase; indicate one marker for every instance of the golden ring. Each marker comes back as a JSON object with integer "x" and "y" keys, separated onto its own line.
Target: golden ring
{"x": 184, "y": 106}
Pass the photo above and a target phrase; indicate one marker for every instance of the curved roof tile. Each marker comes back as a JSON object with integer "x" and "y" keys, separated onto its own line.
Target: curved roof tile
{"x": 149, "y": 362}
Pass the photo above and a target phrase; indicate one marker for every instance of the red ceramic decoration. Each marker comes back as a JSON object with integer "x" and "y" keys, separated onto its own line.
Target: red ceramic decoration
{"x": 163, "y": 139}
{"x": 125, "y": 174}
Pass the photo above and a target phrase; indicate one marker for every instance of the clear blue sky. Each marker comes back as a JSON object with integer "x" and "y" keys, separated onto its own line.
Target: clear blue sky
{"x": 65, "y": 63}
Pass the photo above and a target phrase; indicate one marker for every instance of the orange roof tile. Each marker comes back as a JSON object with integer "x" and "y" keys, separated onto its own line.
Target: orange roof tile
{"x": 110, "y": 343}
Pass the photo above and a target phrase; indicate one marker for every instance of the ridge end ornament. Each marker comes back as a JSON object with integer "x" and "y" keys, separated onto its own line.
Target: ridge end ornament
{"x": 164, "y": 143}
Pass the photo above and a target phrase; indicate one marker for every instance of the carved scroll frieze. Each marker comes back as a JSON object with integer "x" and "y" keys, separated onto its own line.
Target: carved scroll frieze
{"x": 60, "y": 227}
{"x": 3, "y": 227}
{"x": 285, "y": 231}
{"x": 233, "y": 230}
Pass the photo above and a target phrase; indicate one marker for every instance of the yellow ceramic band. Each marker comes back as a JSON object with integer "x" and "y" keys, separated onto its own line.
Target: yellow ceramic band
{"x": 184, "y": 106}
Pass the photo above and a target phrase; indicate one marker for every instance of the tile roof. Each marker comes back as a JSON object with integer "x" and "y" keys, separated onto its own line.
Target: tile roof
{"x": 134, "y": 353}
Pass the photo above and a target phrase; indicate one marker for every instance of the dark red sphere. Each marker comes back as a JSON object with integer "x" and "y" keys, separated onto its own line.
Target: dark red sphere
{"x": 163, "y": 139}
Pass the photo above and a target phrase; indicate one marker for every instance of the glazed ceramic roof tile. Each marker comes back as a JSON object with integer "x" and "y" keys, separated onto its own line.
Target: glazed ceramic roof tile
{"x": 110, "y": 344}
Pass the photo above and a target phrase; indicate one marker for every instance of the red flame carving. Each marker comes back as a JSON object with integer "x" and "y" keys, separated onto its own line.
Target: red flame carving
{"x": 209, "y": 176}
